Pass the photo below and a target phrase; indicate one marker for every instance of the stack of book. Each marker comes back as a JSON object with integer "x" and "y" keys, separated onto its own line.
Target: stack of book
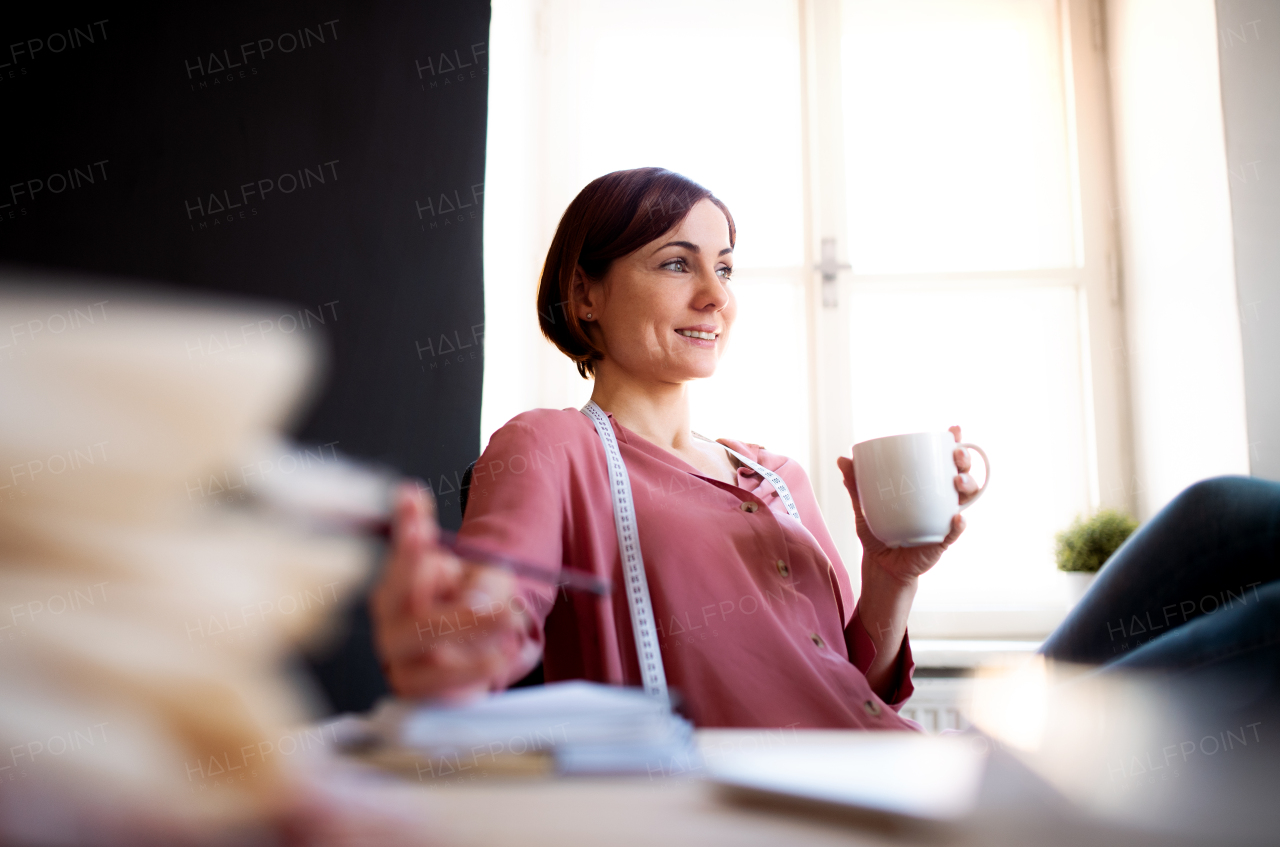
{"x": 567, "y": 727}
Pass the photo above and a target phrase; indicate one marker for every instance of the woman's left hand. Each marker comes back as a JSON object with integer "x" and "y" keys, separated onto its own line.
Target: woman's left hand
{"x": 907, "y": 563}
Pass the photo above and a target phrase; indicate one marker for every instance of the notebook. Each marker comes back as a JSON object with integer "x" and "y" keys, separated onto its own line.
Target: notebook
{"x": 899, "y": 775}
{"x": 582, "y": 727}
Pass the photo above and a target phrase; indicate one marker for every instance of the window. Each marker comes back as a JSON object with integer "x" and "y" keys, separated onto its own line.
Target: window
{"x": 953, "y": 155}
{"x": 963, "y": 174}
{"x": 709, "y": 89}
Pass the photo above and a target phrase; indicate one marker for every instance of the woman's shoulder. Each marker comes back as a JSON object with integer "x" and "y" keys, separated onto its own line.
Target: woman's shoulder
{"x": 550, "y": 441}
{"x": 550, "y": 427}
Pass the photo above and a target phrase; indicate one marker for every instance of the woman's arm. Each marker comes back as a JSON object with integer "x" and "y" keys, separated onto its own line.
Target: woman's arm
{"x": 444, "y": 627}
{"x": 890, "y": 576}
{"x": 883, "y": 607}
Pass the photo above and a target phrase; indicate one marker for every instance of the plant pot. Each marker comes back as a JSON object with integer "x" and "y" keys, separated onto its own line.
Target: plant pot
{"x": 1077, "y": 583}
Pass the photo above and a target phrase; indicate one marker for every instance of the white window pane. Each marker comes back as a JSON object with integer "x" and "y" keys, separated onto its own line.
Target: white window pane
{"x": 709, "y": 89}
{"x": 760, "y": 392}
{"x": 1003, "y": 363}
{"x": 956, "y": 136}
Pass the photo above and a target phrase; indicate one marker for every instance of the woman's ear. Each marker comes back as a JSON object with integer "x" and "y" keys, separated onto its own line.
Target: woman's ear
{"x": 585, "y": 306}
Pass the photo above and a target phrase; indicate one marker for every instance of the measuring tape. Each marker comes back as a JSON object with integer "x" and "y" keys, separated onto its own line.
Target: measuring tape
{"x": 624, "y": 518}
{"x": 784, "y": 493}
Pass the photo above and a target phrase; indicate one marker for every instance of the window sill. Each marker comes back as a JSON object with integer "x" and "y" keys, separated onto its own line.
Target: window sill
{"x": 944, "y": 680}
{"x": 966, "y": 653}
{"x": 1009, "y": 623}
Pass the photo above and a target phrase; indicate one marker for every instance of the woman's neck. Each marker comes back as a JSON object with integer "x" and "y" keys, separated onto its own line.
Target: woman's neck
{"x": 658, "y": 412}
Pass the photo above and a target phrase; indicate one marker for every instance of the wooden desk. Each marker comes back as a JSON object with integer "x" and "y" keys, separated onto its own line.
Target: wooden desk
{"x": 657, "y": 811}
{"x": 686, "y": 811}
{"x": 667, "y": 812}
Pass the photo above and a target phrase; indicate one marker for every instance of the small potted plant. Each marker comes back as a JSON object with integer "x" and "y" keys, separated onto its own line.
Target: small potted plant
{"x": 1085, "y": 546}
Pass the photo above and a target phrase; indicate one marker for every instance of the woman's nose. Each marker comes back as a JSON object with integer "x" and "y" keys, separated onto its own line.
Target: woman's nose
{"x": 712, "y": 291}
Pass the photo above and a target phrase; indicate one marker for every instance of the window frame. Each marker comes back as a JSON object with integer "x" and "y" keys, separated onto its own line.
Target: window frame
{"x": 1096, "y": 278}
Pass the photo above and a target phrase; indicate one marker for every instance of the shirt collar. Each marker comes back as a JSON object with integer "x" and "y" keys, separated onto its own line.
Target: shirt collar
{"x": 617, "y": 429}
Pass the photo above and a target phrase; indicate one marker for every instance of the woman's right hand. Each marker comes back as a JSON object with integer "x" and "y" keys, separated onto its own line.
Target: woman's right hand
{"x": 445, "y": 628}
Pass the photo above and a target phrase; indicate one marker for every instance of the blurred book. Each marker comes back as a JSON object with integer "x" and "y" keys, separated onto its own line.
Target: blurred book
{"x": 574, "y": 727}
{"x": 141, "y": 609}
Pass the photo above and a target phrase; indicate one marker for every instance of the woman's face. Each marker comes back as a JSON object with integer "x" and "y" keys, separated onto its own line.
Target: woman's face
{"x": 663, "y": 313}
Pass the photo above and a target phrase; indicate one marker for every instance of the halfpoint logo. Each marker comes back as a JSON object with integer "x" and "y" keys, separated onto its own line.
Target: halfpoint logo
{"x": 25, "y": 191}
{"x": 218, "y": 207}
{"x": 449, "y": 68}
{"x": 26, "y": 51}
{"x": 447, "y": 208}
{"x": 232, "y": 63}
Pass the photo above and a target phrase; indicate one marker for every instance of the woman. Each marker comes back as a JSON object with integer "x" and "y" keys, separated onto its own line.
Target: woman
{"x": 755, "y": 613}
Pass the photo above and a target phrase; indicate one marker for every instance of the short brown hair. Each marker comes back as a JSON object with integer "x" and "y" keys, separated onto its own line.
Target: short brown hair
{"x": 613, "y": 216}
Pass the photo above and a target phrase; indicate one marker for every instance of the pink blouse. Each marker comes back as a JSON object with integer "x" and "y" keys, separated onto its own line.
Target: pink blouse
{"x": 755, "y": 612}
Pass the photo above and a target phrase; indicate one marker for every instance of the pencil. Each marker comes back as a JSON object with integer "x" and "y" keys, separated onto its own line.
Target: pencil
{"x": 572, "y": 580}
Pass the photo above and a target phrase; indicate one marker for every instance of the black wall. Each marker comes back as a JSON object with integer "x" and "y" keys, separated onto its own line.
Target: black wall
{"x": 326, "y": 154}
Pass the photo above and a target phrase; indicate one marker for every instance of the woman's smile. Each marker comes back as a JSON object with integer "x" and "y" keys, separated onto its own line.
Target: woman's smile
{"x": 700, "y": 335}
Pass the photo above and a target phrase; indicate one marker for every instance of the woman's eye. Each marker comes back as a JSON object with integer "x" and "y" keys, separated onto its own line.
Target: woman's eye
{"x": 677, "y": 265}
{"x": 725, "y": 273}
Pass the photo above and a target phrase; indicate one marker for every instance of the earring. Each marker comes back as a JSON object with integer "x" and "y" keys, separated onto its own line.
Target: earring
{"x": 588, "y": 316}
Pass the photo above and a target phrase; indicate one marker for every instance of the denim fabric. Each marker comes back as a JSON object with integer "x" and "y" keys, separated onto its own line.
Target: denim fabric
{"x": 1195, "y": 587}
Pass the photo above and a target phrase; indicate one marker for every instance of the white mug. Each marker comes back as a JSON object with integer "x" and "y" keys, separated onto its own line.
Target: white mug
{"x": 906, "y": 485}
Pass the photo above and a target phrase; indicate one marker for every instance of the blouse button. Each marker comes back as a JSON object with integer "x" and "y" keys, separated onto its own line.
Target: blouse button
{"x": 872, "y": 707}
{"x": 816, "y": 639}
{"x": 748, "y": 506}
{"x": 783, "y": 570}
